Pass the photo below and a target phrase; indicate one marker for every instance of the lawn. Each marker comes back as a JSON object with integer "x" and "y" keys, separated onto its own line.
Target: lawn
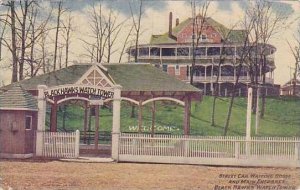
{"x": 282, "y": 118}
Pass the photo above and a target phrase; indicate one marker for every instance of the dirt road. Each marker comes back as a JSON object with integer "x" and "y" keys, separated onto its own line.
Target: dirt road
{"x": 32, "y": 174}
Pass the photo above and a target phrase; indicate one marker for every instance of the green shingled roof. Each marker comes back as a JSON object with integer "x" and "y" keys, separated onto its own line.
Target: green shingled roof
{"x": 234, "y": 36}
{"x": 67, "y": 75}
{"x": 145, "y": 77}
{"x": 17, "y": 98}
{"x": 132, "y": 77}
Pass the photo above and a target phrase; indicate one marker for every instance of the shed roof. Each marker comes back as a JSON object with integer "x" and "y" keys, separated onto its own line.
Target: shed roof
{"x": 16, "y": 98}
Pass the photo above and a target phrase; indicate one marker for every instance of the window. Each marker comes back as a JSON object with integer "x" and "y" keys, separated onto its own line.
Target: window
{"x": 204, "y": 37}
{"x": 200, "y": 51}
{"x": 165, "y": 68}
{"x": 168, "y": 51}
{"x": 177, "y": 70}
{"x": 143, "y": 51}
{"x": 154, "y": 51}
{"x": 28, "y": 122}
{"x": 213, "y": 51}
{"x": 183, "y": 51}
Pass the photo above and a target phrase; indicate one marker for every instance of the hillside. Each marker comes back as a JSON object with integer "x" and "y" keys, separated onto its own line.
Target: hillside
{"x": 282, "y": 118}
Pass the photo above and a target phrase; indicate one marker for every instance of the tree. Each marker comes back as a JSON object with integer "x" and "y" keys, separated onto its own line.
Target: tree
{"x": 295, "y": 50}
{"x": 68, "y": 28}
{"x": 225, "y": 33}
{"x": 267, "y": 23}
{"x": 199, "y": 21}
{"x": 136, "y": 21}
{"x": 243, "y": 58}
{"x": 60, "y": 11}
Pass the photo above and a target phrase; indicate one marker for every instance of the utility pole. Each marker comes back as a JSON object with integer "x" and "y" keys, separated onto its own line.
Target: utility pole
{"x": 248, "y": 121}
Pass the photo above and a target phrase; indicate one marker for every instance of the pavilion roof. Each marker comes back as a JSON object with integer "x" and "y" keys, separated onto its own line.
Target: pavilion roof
{"x": 132, "y": 77}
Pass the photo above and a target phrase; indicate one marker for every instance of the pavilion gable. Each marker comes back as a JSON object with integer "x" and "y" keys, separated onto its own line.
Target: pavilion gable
{"x": 96, "y": 77}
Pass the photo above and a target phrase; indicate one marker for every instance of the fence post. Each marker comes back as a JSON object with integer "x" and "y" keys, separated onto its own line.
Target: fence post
{"x": 296, "y": 150}
{"x": 237, "y": 150}
{"x": 77, "y": 139}
{"x": 186, "y": 146}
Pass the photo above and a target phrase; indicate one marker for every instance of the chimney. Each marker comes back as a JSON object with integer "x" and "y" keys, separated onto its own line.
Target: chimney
{"x": 177, "y": 21}
{"x": 170, "y": 24}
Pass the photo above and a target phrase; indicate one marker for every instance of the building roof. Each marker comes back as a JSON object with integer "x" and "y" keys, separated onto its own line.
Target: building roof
{"x": 132, "y": 77}
{"x": 291, "y": 82}
{"x": 234, "y": 35}
{"x": 16, "y": 98}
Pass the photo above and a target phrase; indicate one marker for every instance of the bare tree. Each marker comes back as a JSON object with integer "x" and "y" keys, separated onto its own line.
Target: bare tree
{"x": 199, "y": 21}
{"x": 243, "y": 58}
{"x": 136, "y": 21}
{"x": 267, "y": 23}
{"x": 13, "y": 47}
{"x": 60, "y": 11}
{"x": 113, "y": 30}
{"x": 226, "y": 44}
{"x": 295, "y": 50}
{"x": 68, "y": 28}
{"x": 125, "y": 44}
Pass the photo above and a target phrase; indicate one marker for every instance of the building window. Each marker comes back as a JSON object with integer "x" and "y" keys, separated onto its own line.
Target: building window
{"x": 203, "y": 37}
{"x": 28, "y": 122}
{"x": 200, "y": 51}
{"x": 154, "y": 51}
{"x": 143, "y": 51}
{"x": 177, "y": 70}
{"x": 183, "y": 51}
{"x": 168, "y": 51}
{"x": 213, "y": 51}
{"x": 165, "y": 68}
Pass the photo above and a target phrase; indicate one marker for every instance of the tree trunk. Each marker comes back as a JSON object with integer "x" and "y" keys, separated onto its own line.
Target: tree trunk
{"x": 13, "y": 42}
{"x": 56, "y": 34}
{"x": 23, "y": 39}
{"x": 232, "y": 100}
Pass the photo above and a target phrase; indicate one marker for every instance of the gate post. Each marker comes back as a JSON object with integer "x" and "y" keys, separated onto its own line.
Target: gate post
{"x": 116, "y": 122}
{"x": 41, "y": 119}
{"x": 77, "y": 142}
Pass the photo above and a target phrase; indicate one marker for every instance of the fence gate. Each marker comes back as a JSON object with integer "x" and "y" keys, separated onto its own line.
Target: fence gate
{"x": 60, "y": 144}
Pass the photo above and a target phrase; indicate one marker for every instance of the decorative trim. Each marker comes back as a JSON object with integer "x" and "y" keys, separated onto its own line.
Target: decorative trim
{"x": 90, "y": 70}
{"x": 164, "y": 98}
{"x": 18, "y": 109}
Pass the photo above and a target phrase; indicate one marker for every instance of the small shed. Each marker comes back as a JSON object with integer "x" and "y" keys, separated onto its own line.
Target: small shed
{"x": 18, "y": 122}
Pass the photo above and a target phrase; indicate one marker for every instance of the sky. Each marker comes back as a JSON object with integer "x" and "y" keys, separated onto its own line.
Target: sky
{"x": 155, "y": 21}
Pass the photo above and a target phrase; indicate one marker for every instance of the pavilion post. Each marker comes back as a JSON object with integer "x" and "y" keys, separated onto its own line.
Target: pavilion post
{"x": 187, "y": 114}
{"x": 85, "y": 124}
{"x": 96, "y": 137}
{"x": 53, "y": 122}
{"x": 116, "y": 122}
{"x": 153, "y": 118}
{"x": 140, "y": 122}
{"x": 41, "y": 120}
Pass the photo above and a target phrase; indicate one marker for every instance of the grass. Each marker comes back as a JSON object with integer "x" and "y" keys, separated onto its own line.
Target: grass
{"x": 282, "y": 118}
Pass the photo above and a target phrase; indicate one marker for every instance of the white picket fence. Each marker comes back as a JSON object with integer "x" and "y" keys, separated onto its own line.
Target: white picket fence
{"x": 60, "y": 144}
{"x": 210, "y": 150}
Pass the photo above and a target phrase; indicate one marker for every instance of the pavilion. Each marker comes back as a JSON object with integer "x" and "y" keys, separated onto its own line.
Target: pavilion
{"x": 95, "y": 83}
